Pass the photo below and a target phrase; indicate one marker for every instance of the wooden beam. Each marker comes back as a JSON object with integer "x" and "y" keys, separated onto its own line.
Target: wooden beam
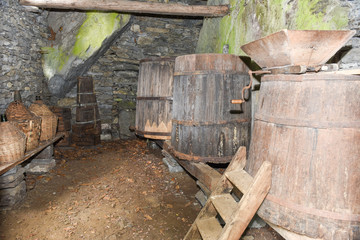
{"x": 203, "y": 172}
{"x": 132, "y": 7}
{"x": 6, "y": 167}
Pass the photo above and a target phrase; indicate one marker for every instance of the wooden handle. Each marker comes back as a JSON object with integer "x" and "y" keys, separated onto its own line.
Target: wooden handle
{"x": 237, "y": 101}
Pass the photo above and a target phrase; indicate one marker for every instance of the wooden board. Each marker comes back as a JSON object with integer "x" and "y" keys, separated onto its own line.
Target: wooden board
{"x": 209, "y": 228}
{"x": 132, "y": 7}
{"x": 87, "y": 113}
{"x": 6, "y": 167}
{"x": 225, "y": 204}
{"x": 248, "y": 204}
{"x": 241, "y": 179}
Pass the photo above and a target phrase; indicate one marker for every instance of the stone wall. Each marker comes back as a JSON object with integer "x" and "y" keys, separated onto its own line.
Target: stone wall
{"x": 352, "y": 57}
{"x": 116, "y": 73}
{"x": 253, "y": 19}
{"x": 22, "y": 34}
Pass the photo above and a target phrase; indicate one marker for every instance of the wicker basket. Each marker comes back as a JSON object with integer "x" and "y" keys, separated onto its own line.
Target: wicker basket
{"x": 27, "y": 122}
{"x": 49, "y": 120}
{"x": 12, "y": 143}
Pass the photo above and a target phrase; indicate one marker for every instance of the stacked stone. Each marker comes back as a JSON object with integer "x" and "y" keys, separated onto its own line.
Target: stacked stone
{"x": 12, "y": 187}
{"x": 22, "y": 34}
{"x": 43, "y": 162}
{"x": 64, "y": 125}
{"x": 87, "y": 128}
{"x": 350, "y": 55}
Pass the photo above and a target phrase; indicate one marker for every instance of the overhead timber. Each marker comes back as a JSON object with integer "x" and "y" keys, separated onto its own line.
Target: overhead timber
{"x": 132, "y": 7}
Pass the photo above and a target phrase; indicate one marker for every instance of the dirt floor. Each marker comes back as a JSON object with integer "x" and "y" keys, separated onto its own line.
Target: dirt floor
{"x": 118, "y": 190}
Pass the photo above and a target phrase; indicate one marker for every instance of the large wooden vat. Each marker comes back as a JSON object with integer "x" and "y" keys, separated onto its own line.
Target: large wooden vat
{"x": 154, "y": 98}
{"x": 206, "y": 126}
{"x": 308, "y": 127}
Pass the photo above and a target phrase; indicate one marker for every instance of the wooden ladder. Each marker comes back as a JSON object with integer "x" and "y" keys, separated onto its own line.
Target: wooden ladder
{"x": 223, "y": 217}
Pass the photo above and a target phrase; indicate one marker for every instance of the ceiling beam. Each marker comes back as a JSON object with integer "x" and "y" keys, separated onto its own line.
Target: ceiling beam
{"x": 132, "y": 7}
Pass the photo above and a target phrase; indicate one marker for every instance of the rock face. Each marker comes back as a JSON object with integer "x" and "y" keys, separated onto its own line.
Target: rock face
{"x": 79, "y": 39}
{"x": 250, "y": 20}
{"x": 22, "y": 34}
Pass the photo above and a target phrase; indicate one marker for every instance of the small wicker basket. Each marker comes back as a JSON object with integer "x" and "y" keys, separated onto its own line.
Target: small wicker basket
{"x": 27, "y": 122}
{"x": 12, "y": 143}
{"x": 49, "y": 120}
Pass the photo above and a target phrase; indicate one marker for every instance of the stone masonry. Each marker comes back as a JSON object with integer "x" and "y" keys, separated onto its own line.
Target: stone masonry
{"x": 22, "y": 34}
{"x": 116, "y": 73}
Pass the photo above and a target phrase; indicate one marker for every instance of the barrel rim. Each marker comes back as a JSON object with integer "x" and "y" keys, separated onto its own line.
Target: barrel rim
{"x": 209, "y": 54}
{"x": 207, "y": 72}
{"x": 158, "y": 59}
{"x": 188, "y": 157}
{"x": 309, "y": 77}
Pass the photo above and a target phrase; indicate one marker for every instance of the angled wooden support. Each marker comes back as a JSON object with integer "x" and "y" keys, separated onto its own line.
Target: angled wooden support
{"x": 223, "y": 207}
{"x": 132, "y": 7}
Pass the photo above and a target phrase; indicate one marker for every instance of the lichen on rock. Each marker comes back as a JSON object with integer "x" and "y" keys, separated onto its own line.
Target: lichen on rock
{"x": 90, "y": 37}
{"x": 252, "y": 19}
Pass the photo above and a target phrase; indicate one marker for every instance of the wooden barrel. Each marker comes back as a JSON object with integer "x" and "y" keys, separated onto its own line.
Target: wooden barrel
{"x": 154, "y": 98}
{"x": 206, "y": 126}
{"x": 308, "y": 127}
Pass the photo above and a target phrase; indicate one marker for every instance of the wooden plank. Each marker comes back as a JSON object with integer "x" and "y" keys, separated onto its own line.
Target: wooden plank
{"x": 241, "y": 179}
{"x": 249, "y": 204}
{"x": 223, "y": 186}
{"x": 132, "y": 7}
{"x": 204, "y": 188}
{"x": 238, "y": 162}
{"x": 225, "y": 204}
{"x": 201, "y": 171}
{"x": 209, "y": 228}
{"x": 6, "y": 167}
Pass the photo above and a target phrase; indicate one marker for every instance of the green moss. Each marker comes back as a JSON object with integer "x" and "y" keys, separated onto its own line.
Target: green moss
{"x": 95, "y": 29}
{"x": 251, "y": 19}
{"x": 313, "y": 14}
{"x": 125, "y": 104}
{"x": 54, "y": 59}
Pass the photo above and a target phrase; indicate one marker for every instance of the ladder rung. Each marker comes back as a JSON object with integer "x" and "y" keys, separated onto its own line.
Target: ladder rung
{"x": 241, "y": 179}
{"x": 209, "y": 228}
{"x": 225, "y": 205}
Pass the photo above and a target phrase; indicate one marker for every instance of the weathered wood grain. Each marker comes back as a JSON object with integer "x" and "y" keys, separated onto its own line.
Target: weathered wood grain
{"x": 308, "y": 127}
{"x": 206, "y": 126}
{"x": 132, "y": 7}
{"x": 154, "y": 98}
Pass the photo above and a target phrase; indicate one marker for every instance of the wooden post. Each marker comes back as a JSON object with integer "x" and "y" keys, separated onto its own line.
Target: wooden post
{"x": 132, "y": 7}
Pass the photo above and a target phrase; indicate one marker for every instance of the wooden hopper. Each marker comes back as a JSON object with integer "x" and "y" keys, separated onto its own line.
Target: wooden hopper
{"x": 297, "y": 47}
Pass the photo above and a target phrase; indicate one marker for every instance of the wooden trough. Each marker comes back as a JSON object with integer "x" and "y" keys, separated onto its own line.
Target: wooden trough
{"x": 295, "y": 47}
